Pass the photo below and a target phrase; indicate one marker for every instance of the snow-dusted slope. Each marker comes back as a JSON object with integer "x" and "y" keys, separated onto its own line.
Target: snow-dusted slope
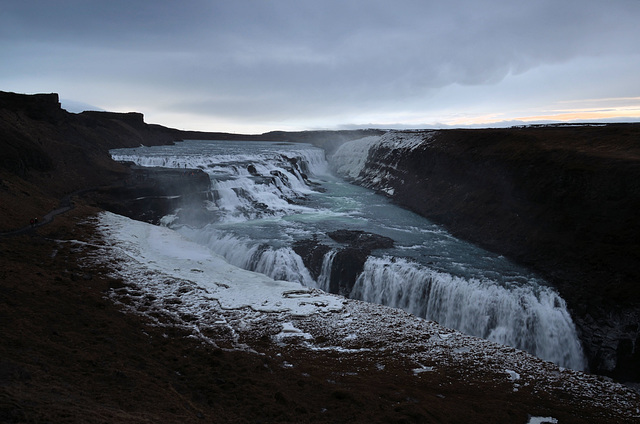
{"x": 168, "y": 276}
{"x": 195, "y": 270}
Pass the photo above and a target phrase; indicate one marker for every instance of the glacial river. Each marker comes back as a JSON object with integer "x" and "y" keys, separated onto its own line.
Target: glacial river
{"x": 267, "y": 195}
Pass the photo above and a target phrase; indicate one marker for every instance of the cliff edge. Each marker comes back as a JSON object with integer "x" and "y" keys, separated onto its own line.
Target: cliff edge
{"x": 561, "y": 200}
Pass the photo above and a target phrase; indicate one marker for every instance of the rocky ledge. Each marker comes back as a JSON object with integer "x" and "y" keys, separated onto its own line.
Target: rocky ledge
{"x": 150, "y": 193}
{"x": 351, "y": 254}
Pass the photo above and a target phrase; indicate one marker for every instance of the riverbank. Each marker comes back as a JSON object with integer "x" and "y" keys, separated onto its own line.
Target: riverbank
{"x": 71, "y": 354}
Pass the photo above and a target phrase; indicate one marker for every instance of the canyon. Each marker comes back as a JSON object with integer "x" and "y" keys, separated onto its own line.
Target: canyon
{"x": 560, "y": 200}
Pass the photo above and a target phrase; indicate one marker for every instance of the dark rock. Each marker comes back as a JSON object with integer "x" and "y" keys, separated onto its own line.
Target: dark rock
{"x": 44, "y": 107}
{"x": 611, "y": 344}
{"x": 151, "y": 193}
{"x": 347, "y": 265}
{"x": 361, "y": 240}
{"x": 312, "y": 253}
{"x": 348, "y": 261}
{"x": 12, "y": 373}
{"x": 131, "y": 118}
{"x": 561, "y": 200}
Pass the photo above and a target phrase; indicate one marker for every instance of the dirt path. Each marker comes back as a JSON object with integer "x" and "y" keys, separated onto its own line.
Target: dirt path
{"x": 65, "y": 205}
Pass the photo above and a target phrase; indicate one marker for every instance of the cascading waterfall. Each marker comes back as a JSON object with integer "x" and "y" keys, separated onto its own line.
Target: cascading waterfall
{"x": 278, "y": 263}
{"x": 283, "y": 264}
{"x": 531, "y": 318}
{"x": 265, "y": 198}
{"x": 245, "y": 186}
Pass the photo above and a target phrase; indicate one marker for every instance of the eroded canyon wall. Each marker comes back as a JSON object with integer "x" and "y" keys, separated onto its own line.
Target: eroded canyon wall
{"x": 561, "y": 200}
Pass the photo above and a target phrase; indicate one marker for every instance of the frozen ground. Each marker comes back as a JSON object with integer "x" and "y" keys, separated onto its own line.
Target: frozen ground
{"x": 167, "y": 276}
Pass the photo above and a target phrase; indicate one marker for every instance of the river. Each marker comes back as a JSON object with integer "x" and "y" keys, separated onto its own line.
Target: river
{"x": 268, "y": 195}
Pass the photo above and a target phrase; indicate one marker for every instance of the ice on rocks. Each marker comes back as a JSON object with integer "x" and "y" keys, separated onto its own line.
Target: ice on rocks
{"x": 513, "y": 376}
{"x": 289, "y": 330}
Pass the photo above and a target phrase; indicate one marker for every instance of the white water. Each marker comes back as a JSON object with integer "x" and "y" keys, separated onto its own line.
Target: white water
{"x": 263, "y": 203}
{"x": 533, "y": 318}
{"x": 325, "y": 274}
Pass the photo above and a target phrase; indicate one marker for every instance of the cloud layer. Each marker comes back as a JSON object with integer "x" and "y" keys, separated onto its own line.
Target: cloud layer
{"x": 260, "y": 65}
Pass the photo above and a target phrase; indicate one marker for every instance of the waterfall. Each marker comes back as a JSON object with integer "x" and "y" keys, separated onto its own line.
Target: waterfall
{"x": 350, "y": 158}
{"x": 324, "y": 279}
{"x": 280, "y": 263}
{"x": 529, "y": 317}
{"x": 264, "y": 200}
{"x": 283, "y": 264}
{"x": 246, "y": 183}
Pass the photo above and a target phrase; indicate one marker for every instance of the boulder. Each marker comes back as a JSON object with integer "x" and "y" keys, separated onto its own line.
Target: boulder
{"x": 349, "y": 260}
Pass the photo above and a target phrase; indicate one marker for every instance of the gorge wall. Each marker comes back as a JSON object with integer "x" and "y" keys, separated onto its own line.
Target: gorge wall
{"x": 561, "y": 200}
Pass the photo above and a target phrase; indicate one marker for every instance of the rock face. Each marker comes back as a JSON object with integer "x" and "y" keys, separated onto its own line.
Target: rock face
{"x": 348, "y": 262}
{"x": 152, "y": 192}
{"x": 47, "y": 153}
{"x": 50, "y": 147}
{"x": 43, "y": 107}
{"x": 562, "y": 200}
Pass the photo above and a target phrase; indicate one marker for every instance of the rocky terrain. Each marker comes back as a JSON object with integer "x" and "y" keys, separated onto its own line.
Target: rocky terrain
{"x": 72, "y": 353}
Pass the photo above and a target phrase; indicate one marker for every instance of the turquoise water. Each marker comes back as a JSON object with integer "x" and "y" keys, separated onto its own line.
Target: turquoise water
{"x": 267, "y": 195}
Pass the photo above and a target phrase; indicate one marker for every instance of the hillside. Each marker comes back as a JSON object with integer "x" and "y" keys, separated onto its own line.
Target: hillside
{"x": 84, "y": 341}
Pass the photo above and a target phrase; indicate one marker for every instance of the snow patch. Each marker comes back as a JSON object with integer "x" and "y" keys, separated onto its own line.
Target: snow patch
{"x": 513, "y": 376}
{"x": 422, "y": 369}
{"x": 165, "y": 251}
{"x": 289, "y": 330}
{"x": 542, "y": 420}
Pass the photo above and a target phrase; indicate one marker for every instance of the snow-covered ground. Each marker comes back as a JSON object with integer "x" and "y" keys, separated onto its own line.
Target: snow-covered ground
{"x": 170, "y": 279}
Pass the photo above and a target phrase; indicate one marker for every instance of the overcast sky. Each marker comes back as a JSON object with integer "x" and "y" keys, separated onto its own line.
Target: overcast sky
{"x": 258, "y": 65}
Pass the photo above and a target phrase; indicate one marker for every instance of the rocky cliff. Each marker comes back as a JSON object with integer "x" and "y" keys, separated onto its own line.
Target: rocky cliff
{"x": 47, "y": 152}
{"x": 562, "y": 200}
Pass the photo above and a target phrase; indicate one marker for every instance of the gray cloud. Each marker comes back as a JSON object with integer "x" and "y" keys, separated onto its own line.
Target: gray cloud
{"x": 276, "y": 59}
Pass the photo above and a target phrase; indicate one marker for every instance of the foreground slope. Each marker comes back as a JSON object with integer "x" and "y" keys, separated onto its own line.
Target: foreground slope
{"x": 99, "y": 328}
